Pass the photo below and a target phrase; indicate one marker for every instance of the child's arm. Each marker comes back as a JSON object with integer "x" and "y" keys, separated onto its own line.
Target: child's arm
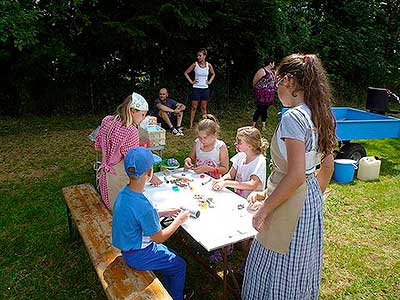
{"x": 250, "y": 185}
{"x": 188, "y": 162}
{"x": 164, "y": 234}
{"x": 168, "y": 212}
{"x": 228, "y": 176}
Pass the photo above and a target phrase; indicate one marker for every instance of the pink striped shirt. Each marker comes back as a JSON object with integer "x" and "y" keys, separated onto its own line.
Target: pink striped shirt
{"x": 113, "y": 150}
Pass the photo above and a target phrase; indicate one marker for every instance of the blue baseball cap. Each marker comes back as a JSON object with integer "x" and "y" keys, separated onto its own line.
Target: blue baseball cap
{"x": 139, "y": 160}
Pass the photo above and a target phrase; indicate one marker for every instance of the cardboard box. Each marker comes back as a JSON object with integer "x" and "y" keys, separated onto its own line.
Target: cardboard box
{"x": 152, "y": 135}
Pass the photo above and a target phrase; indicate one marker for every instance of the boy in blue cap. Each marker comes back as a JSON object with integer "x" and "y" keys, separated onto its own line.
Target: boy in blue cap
{"x": 136, "y": 228}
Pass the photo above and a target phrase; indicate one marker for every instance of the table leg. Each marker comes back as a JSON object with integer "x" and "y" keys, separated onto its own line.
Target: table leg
{"x": 225, "y": 250}
{"x": 69, "y": 217}
{"x": 227, "y": 270}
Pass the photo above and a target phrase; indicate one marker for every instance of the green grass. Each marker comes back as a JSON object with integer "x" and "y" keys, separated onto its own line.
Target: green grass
{"x": 39, "y": 156}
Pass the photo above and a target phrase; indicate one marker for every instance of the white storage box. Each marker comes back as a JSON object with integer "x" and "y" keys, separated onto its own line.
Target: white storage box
{"x": 152, "y": 135}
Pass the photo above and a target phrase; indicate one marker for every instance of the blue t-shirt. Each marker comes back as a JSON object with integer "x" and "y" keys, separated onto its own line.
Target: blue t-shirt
{"x": 134, "y": 220}
{"x": 171, "y": 103}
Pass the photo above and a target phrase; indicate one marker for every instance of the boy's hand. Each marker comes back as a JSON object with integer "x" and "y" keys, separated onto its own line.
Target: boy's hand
{"x": 171, "y": 212}
{"x": 155, "y": 180}
{"x": 188, "y": 163}
{"x": 218, "y": 184}
{"x": 182, "y": 216}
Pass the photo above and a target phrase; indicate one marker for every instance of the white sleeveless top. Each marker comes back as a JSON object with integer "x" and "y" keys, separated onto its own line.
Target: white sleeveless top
{"x": 210, "y": 158}
{"x": 201, "y": 75}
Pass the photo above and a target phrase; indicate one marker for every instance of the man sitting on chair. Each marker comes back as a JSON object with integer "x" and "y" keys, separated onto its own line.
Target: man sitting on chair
{"x": 169, "y": 112}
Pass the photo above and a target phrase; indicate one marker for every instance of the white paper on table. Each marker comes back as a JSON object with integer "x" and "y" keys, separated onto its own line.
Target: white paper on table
{"x": 216, "y": 227}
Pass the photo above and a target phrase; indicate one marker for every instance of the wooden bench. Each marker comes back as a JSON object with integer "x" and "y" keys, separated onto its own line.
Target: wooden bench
{"x": 93, "y": 221}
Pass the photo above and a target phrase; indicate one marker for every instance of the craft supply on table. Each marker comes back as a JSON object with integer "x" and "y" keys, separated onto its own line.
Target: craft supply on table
{"x": 207, "y": 181}
{"x": 210, "y": 202}
{"x": 203, "y": 205}
{"x": 240, "y": 206}
{"x": 194, "y": 212}
{"x": 182, "y": 177}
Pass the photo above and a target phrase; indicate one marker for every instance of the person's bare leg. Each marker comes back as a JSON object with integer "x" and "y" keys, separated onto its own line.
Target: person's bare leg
{"x": 179, "y": 117}
{"x": 203, "y": 107}
{"x": 254, "y": 124}
{"x": 193, "y": 112}
{"x": 165, "y": 117}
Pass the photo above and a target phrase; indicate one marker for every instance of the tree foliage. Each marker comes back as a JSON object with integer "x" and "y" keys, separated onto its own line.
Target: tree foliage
{"x": 86, "y": 55}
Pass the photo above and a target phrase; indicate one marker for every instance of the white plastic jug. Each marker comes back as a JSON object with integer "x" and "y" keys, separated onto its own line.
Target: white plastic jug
{"x": 368, "y": 168}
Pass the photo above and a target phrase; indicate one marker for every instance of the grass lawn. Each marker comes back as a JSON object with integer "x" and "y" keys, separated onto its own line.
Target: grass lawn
{"x": 39, "y": 156}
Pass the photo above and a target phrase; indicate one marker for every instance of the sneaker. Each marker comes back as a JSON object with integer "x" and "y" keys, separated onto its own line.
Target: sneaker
{"x": 180, "y": 130}
{"x": 175, "y": 132}
{"x": 188, "y": 294}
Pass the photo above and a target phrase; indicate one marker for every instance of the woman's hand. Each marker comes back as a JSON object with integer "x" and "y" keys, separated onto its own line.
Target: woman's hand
{"x": 187, "y": 164}
{"x": 155, "y": 180}
{"x": 218, "y": 184}
{"x": 259, "y": 218}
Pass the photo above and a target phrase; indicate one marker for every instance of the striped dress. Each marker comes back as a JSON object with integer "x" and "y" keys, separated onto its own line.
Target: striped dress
{"x": 296, "y": 275}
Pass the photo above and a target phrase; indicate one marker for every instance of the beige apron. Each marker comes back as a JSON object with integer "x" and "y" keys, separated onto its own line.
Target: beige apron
{"x": 281, "y": 223}
{"x": 115, "y": 182}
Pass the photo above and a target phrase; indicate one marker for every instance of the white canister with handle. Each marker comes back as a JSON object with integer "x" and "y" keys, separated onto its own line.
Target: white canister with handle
{"x": 369, "y": 168}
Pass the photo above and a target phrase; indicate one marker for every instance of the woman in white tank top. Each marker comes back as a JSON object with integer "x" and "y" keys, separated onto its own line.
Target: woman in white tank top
{"x": 200, "y": 90}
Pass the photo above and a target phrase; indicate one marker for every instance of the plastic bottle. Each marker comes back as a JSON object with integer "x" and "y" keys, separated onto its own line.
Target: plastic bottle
{"x": 369, "y": 168}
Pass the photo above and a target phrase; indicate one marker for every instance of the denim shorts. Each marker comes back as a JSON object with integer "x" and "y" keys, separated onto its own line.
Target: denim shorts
{"x": 200, "y": 94}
